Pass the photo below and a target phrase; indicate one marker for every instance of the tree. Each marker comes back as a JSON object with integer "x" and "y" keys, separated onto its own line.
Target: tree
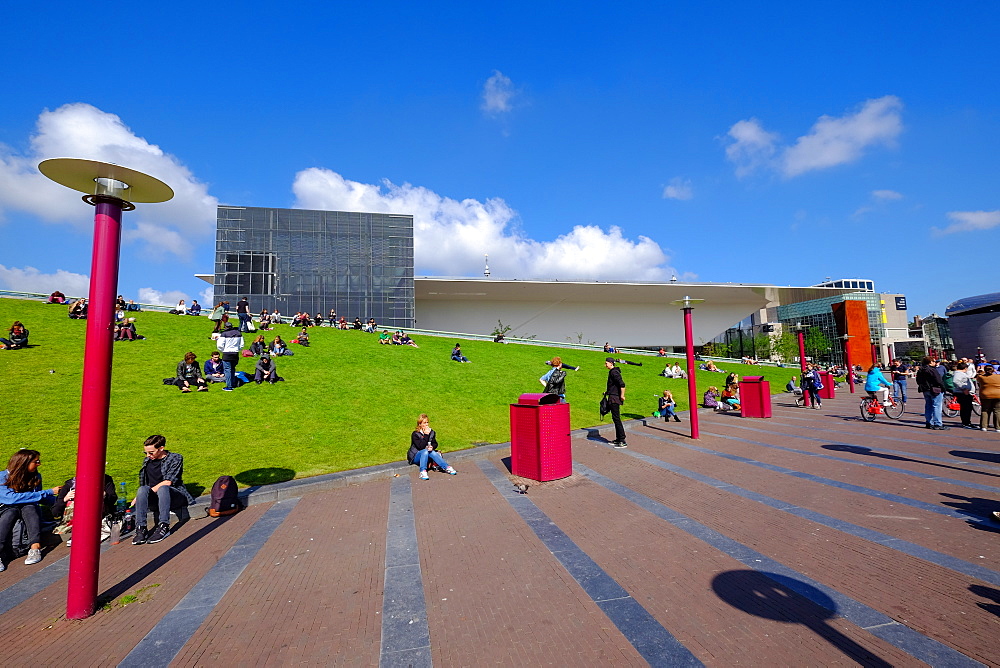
{"x": 786, "y": 346}
{"x": 500, "y": 329}
{"x": 816, "y": 342}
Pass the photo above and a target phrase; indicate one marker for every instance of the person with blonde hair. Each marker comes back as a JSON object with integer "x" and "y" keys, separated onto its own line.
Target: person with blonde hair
{"x": 667, "y": 406}
{"x": 423, "y": 449}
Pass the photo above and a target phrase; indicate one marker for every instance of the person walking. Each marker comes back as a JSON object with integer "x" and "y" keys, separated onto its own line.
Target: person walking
{"x": 930, "y": 385}
{"x": 216, "y": 316}
{"x": 989, "y": 397}
{"x": 243, "y": 313}
{"x": 900, "y": 372}
{"x": 963, "y": 379}
{"x": 615, "y": 393}
{"x": 811, "y": 385}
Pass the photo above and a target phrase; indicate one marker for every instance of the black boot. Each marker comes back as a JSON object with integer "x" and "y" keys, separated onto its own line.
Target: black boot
{"x": 676, "y": 419}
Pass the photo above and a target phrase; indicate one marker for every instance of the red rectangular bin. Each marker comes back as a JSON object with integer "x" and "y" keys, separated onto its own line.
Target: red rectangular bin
{"x": 540, "y": 438}
{"x": 755, "y": 397}
{"x": 829, "y": 390}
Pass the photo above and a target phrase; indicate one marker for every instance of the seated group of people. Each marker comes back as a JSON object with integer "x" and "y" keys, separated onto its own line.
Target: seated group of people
{"x": 183, "y": 309}
{"x": 303, "y": 319}
{"x": 125, "y": 330}
{"x": 17, "y": 337}
{"x": 399, "y": 338}
{"x": 78, "y": 309}
{"x": 673, "y": 371}
{"x": 710, "y": 366}
{"x": 161, "y": 490}
{"x": 121, "y": 305}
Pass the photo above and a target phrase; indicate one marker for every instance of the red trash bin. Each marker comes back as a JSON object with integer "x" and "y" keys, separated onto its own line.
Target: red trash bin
{"x": 539, "y": 438}
{"x": 829, "y": 390}
{"x": 755, "y": 397}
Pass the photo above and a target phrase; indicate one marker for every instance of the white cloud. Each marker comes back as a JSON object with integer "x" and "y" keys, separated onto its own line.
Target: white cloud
{"x": 451, "y": 236}
{"x": 30, "y": 279}
{"x": 678, "y": 188}
{"x": 886, "y": 194}
{"x": 969, "y": 221}
{"x": 498, "y": 91}
{"x": 82, "y": 131}
{"x": 830, "y": 142}
{"x": 207, "y": 296}
{"x": 155, "y": 297}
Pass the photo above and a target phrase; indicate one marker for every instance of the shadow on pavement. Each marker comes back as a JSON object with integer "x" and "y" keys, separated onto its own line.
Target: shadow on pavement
{"x": 860, "y": 450}
{"x": 151, "y": 567}
{"x": 992, "y": 457}
{"x": 785, "y": 599}
{"x": 990, "y": 593}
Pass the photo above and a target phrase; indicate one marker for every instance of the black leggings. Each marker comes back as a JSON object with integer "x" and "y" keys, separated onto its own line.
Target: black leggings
{"x": 32, "y": 516}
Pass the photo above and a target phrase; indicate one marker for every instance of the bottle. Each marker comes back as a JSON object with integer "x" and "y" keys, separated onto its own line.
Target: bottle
{"x": 122, "y": 496}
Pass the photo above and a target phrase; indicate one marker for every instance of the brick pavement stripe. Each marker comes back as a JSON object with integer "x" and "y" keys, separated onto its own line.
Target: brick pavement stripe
{"x": 405, "y": 637}
{"x": 912, "y": 642}
{"x": 657, "y": 645}
{"x": 853, "y": 462}
{"x": 164, "y": 641}
{"x": 892, "y": 542}
{"x": 312, "y": 595}
{"x": 887, "y": 496}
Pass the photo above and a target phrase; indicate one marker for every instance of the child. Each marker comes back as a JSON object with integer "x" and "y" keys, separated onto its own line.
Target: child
{"x": 667, "y": 405}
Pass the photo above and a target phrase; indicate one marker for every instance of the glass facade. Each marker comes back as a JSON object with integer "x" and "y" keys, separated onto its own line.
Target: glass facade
{"x": 360, "y": 264}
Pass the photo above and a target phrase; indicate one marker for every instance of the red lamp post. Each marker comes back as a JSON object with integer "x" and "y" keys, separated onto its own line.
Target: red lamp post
{"x": 800, "y": 330}
{"x": 850, "y": 366}
{"x": 687, "y": 305}
{"x": 111, "y": 189}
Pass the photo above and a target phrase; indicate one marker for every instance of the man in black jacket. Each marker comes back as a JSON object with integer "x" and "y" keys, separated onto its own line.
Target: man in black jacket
{"x": 929, "y": 383}
{"x": 615, "y": 392}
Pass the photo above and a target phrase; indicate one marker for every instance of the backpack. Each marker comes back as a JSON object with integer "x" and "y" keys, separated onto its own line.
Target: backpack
{"x": 949, "y": 382}
{"x": 225, "y": 497}
{"x": 19, "y": 539}
{"x": 554, "y": 385}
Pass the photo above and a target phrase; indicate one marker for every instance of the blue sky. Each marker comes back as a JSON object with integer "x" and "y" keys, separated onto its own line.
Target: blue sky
{"x": 723, "y": 142}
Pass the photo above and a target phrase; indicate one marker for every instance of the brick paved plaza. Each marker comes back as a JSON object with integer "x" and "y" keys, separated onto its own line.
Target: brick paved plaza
{"x": 811, "y": 538}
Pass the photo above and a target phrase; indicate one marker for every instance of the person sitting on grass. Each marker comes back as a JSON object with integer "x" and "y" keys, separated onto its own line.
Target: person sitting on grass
{"x": 385, "y": 338}
{"x": 667, "y": 406}
{"x": 20, "y": 493}
{"x": 189, "y": 374}
{"x": 405, "y": 340}
{"x": 266, "y": 371}
{"x": 17, "y": 337}
{"x": 396, "y": 338}
{"x": 57, "y": 298}
{"x": 302, "y": 338}
{"x": 161, "y": 489}
{"x": 215, "y": 372}
{"x": 132, "y": 306}
{"x": 456, "y": 354}
{"x": 126, "y": 331}
{"x": 259, "y": 346}
{"x": 357, "y": 324}
{"x": 711, "y": 398}
{"x": 318, "y": 320}
{"x": 195, "y": 308}
{"x": 78, "y": 309}
{"x": 423, "y": 449}
{"x": 279, "y": 347}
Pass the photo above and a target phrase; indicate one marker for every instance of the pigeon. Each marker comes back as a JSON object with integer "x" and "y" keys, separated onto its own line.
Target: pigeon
{"x": 521, "y": 488}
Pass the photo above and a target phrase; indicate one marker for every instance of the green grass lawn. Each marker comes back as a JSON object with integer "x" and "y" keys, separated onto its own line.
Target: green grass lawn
{"x": 347, "y": 402}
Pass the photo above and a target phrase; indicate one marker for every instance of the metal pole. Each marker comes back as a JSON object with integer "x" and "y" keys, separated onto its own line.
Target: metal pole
{"x": 802, "y": 366}
{"x": 84, "y": 559}
{"x": 692, "y": 385}
{"x": 850, "y": 367}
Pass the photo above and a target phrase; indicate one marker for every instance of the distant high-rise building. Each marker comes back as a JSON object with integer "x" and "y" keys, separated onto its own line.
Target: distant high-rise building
{"x": 360, "y": 264}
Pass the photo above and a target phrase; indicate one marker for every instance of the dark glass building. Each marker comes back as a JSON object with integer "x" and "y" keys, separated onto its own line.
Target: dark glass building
{"x": 360, "y": 264}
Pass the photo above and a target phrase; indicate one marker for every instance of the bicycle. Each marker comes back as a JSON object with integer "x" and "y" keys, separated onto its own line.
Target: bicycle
{"x": 950, "y": 405}
{"x": 871, "y": 408}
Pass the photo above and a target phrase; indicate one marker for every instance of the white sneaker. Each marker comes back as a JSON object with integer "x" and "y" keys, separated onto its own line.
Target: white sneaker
{"x": 2, "y": 567}
{"x": 34, "y": 556}
{"x": 424, "y": 476}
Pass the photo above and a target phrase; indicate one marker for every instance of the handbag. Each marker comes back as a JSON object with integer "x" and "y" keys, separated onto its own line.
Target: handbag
{"x": 605, "y": 405}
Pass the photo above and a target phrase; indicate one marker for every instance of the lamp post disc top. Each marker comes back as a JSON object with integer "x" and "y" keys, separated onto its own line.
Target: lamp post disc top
{"x": 103, "y": 178}
{"x": 687, "y": 302}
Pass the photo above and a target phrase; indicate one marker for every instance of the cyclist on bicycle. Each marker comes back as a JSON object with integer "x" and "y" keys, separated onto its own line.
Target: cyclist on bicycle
{"x": 876, "y": 384}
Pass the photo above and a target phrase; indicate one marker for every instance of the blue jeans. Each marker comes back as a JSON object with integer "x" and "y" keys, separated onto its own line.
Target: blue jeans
{"x": 932, "y": 408}
{"x": 244, "y": 319}
{"x": 899, "y": 390}
{"x": 424, "y": 455}
{"x": 160, "y": 500}
{"x": 229, "y": 369}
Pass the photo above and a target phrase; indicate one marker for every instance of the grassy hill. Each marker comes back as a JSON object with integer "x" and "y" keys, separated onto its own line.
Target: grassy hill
{"x": 347, "y": 402}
